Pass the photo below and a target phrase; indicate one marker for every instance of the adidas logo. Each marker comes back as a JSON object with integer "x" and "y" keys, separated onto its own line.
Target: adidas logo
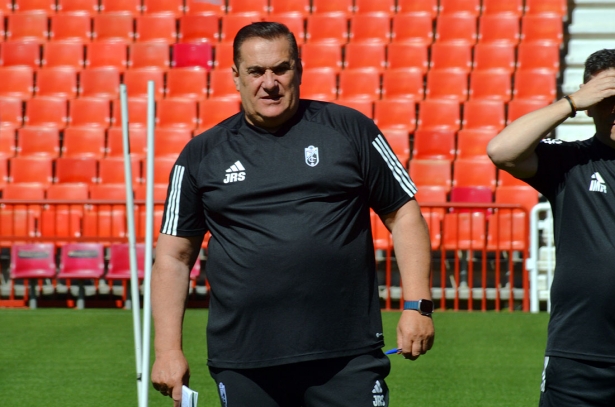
{"x": 378, "y": 398}
{"x": 597, "y": 183}
{"x": 235, "y": 173}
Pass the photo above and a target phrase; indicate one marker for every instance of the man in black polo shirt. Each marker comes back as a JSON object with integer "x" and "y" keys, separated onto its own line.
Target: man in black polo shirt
{"x": 578, "y": 179}
{"x": 285, "y": 187}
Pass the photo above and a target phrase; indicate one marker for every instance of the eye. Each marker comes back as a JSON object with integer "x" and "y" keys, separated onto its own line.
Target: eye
{"x": 281, "y": 70}
{"x": 256, "y": 72}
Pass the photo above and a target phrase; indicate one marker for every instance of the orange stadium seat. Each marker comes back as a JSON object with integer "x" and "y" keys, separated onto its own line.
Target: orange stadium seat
{"x": 30, "y": 26}
{"x": 439, "y": 114}
{"x": 173, "y": 7}
{"x": 500, "y": 28}
{"x": 411, "y": 6}
{"x": 38, "y": 141}
{"x": 188, "y": 83}
{"x": 146, "y": 54}
{"x": 137, "y": 136}
{"x": 534, "y": 84}
{"x": 72, "y": 26}
{"x": 247, "y": 6}
{"x": 327, "y": 27}
{"x": 192, "y": 55}
{"x": 132, "y": 7}
{"x": 33, "y": 169}
{"x": 395, "y": 113}
{"x": 137, "y": 112}
{"x": 221, "y": 85}
{"x": 359, "y": 82}
{"x": 474, "y": 173}
{"x": 373, "y": 6}
{"x": 514, "y": 7}
{"x": 319, "y": 84}
{"x": 520, "y": 107}
{"x": 295, "y": 21}
{"x": 412, "y": 27}
{"x": 6, "y": 6}
{"x": 106, "y": 220}
{"x": 490, "y": 84}
{"x": 89, "y": 111}
{"x": 76, "y": 169}
{"x": 447, "y": 84}
{"x": 63, "y": 53}
{"x": 213, "y": 111}
{"x": 107, "y": 53}
{"x": 456, "y": 28}
{"x": 58, "y": 81}
{"x": 450, "y": 55}
{"x": 155, "y": 27}
{"x": 403, "y": 83}
{"x": 399, "y": 140}
{"x": 559, "y": 7}
{"x": 407, "y": 55}
{"x": 162, "y": 169}
{"x": 365, "y": 55}
{"x": 434, "y": 145}
{"x": 230, "y": 24}
{"x": 11, "y": 111}
{"x": 7, "y": 140}
{"x": 523, "y": 195}
{"x": 460, "y": 6}
{"x": 431, "y": 172}
{"x": 100, "y": 82}
{"x": 17, "y": 82}
{"x": 84, "y": 142}
{"x": 464, "y": 231}
{"x": 321, "y": 55}
{"x": 483, "y": 113}
{"x": 507, "y": 231}
{"x": 362, "y": 105}
{"x": 89, "y": 6}
{"x": 199, "y": 6}
{"x": 63, "y": 220}
{"x": 223, "y": 55}
{"x": 46, "y": 111}
{"x": 113, "y": 26}
{"x": 199, "y": 27}
{"x": 370, "y": 27}
{"x": 494, "y": 56}
{"x": 177, "y": 113}
{"x": 4, "y": 170}
{"x": 333, "y": 6}
{"x": 20, "y": 52}
{"x": 290, "y": 6}
{"x": 506, "y": 180}
{"x": 543, "y": 28}
{"x": 538, "y": 55}
{"x": 47, "y": 6}
{"x": 170, "y": 141}
{"x": 136, "y": 81}
{"x": 472, "y": 143}
{"x": 111, "y": 169}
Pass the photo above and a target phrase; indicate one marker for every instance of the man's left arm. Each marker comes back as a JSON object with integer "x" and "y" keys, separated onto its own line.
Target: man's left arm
{"x": 415, "y": 332}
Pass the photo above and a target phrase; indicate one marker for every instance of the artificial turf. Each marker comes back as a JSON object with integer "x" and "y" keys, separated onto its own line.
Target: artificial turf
{"x": 67, "y": 357}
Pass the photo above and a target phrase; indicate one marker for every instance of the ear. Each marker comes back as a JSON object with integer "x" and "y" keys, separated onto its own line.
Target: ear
{"x": 235, "y": 77}
{"x": 299, "y": 69}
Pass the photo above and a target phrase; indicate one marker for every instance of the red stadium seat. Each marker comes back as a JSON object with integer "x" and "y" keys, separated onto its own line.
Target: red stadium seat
{"x": 460, "y": 6}
{"x": 362, "y": 105}
{"x": 456, "y": 28}
{"x": 11, "y": 111}
{"x": 46, "y": 111}
{"x": 439, "y": 114}
{"x": 19, "y": 221}
{"x": 514, "y": 7}
{"x": 371, "y": 6}
{"x": 365, "y": 55}
{"x": 155, "y": 27}
{"x": 232, "y": 23}
{"x": 434, "y": 145}
{"x": 47, "y": 6}
{"x": 411, "y": 6}
{"x": 132, "y": 7}
{"x": 483, "y": 114}
{"x": 64, "y": 220}
{"x": 105, "y": 220}
{"x": 162, "y": 169}
{"x": 31, "y": 26}
{"x": 403, "y": 83}
{"x": 472, "y": 195}
{"x": 399, "y": 140}
{"x": 90, "y": 111}
{"x": 173, "y": 7}
{"x": 31, "y": 261}
{"x": 147, "y": 54}
{"x": 115, "y": 144}
{"x": 321, "y": 55}
{"x": 38, "y": 142}
{"x": 119, "y": 261}
{"x": 472, "y": 143}
{"x": 177, "y": 113}
{"x": 247, "y": 6}
{"x": 57, "y": 81}
{"x": 332, "y": 6}
{"x": 490, "y": 84}
{"x": 192, "y": 55}
{"x": 319, "y": 84}
{"x": 7, "y": 141}
{"x": 464, "y": 231}
{"x": 520, "y": 107}
{"x": 81, "y": 261}
{"x": 202, "y": 27}
{"x": 63, "y": 53}
{"x": 327, "y": 27}
{"x": 113, "y": 26}
{"x": 474, "y": 173}
{"x": 534, "y": 84}
{"x": 523, "y": 195}
{"x": 137, "y": 112}
{"x": 221, "y": 84}
{"x": 295, "y": 21}
{"x": 199, "y": 6}
{"x": 170, "y": 141}
{"x": 31, "y": 169}
{"x": 359, "y": 82}
{"x": 290, "y": 6}
{"x": 508, "y": 231}
{"x": 542, "y": 28}
{"x": 107, "y": 53}
{"x": 395, "y": 113}
{"x": 20, "y": 52}
{"x": 84, "y": 142}
{"x": 370, "y": 27}
{"x": 74, "y": 26}
{"x": 100, "y": 82}
{"x": 500, "y": 28}
{"x": 451, "y": 55}
{"x": 447, "y": 84}
{"x": 559, "y": 7}
{"x": 407, "y": 55}
{"x": 188, "y": 83}
{"x": 506, "y": 180}
{"x": 494, "y": 56}
{"x": 538, "y": 55}
{"x": 431, "y": 172}
{"x": 413, "y": 27}
{"x": 17, "y": 82}
{"x": 76, "y": 169}
{"x": 136, "y": 81}
{"x": 4, "y": 171}
{"x": 213, "y": 111}
{"x": 89, "y": 6}
{"x": 111, "y": 169}
{"x": 223, "y": 56}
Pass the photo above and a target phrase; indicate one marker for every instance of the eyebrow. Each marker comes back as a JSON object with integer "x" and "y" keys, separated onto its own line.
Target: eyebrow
{"x": 282, "y": 64}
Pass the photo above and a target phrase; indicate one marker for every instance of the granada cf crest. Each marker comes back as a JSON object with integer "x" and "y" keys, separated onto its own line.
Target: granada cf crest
{"x": 311, "y": 156}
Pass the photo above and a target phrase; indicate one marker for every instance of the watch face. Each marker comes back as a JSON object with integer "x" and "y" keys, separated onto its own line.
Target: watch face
{"x": 426, "y": 306}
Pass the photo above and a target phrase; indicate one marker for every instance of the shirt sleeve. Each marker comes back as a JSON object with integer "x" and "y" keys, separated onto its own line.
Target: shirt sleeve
{"x": 183, "y": 209}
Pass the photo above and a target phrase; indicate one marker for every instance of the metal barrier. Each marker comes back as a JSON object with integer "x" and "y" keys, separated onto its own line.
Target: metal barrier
{"x": 541, "y": 261}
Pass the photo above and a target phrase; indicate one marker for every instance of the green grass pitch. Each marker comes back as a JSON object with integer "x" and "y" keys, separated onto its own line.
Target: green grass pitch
{"x": 67, "y": 357}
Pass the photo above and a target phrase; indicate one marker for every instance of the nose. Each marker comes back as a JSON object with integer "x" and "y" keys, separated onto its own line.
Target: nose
{"x": 269, "y": 81}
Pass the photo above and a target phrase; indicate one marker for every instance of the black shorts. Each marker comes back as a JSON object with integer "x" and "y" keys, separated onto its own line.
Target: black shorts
{"x": 572, "y": 382}
{"x": 356, "y": 381}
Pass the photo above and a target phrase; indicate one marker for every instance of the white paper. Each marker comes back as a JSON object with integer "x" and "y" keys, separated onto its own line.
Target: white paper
{"x": 189, "y": 397}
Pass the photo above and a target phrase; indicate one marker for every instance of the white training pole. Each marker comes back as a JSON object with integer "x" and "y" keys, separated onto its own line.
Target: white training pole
{"x": 134, "y": 279}
{"x": 149, "y": 244}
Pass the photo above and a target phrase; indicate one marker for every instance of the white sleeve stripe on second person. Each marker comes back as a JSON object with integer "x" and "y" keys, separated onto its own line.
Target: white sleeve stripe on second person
{"x": 400, "y": 174}
{"x": 170, "y": 225}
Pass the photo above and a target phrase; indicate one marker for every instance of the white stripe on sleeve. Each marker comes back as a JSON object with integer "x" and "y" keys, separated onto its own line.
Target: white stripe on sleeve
{"x": 399, "y": 172}
{"x": 172, "y": 214}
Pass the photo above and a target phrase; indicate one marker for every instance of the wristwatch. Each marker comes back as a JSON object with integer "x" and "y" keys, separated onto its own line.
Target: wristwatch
{"x": 424, "y": 307}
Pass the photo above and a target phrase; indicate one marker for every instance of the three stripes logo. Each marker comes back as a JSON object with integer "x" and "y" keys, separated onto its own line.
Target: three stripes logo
{"x": 398, "y": 170}
{"x": 235, "y": 173}
{"x": 172, "y": 211}
{"x": 378, "y": 395}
